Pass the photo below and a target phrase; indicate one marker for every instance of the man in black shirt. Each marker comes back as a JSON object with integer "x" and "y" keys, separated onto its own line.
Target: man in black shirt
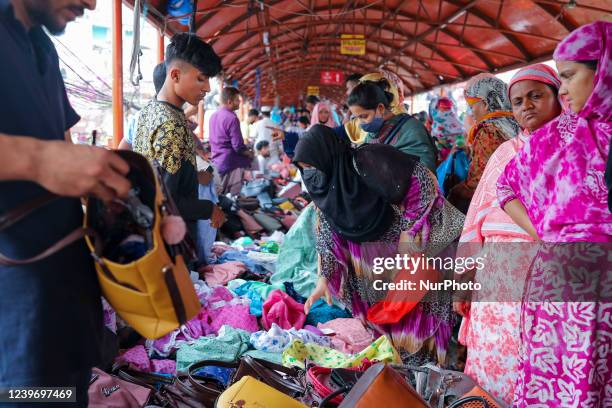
{"x": 50, "y": 311}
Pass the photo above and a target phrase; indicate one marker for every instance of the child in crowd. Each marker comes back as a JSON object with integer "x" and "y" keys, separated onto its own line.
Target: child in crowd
{"x": 263, "y": 156}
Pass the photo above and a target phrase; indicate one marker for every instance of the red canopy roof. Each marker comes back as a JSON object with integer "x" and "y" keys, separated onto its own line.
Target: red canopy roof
{"x": 425, "y": 42}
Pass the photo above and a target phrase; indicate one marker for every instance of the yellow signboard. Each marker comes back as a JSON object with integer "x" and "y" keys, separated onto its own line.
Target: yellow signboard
{"x": 312, "y": 90}
{"x": 352, "y": 44}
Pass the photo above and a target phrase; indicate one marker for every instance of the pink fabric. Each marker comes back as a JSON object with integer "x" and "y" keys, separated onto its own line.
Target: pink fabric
{"x": 314, "y": 119}
{"x": 219, "y": 248}
{"x": 138, "y": 359}
{"x": 220, "y": 274}
{"x": 281, "y": 168}
{"x": 190, "y": 331}
{"x": 223, "y": 308}
{"x": 282, "y": 309}
{"x": 350, "y": 335}
{"x": 559, "y": 174}
{"x": 237, "y": 316}
{"x": 491, "y": 331}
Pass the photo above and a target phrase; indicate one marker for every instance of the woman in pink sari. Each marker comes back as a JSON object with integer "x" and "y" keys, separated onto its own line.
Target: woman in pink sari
{"x": 490, "y": 328}
{"x": 554, "y": 188}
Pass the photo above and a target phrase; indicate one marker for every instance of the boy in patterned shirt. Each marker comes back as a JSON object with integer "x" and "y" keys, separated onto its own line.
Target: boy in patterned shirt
{"x": 163, "y": 135}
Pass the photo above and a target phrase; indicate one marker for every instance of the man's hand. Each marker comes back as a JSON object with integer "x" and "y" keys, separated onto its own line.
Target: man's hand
{"x": 217, "y": 219}
{"x": 78, "y": 170}
{"x": 248, "y": 153}
{"x": 277, "y": 134}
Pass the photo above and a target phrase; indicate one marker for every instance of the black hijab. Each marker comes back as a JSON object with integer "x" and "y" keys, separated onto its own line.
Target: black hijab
{"x": 354, "y": 188}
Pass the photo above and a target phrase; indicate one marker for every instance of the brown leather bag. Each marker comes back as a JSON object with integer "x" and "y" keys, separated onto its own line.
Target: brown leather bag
{"x": 382, "y": 386}
{"x": 290, "y": 381}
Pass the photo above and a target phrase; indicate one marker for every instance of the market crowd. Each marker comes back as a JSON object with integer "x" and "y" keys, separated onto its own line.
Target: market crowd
{"x": 285, "y": 211}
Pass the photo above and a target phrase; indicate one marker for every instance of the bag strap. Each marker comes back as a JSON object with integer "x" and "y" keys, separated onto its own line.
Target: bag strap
{"x": 334, "y": 394}
{"x": 469, "y": 402}
{"x": 269, "y": 372}
{"x": 17, "y": 214}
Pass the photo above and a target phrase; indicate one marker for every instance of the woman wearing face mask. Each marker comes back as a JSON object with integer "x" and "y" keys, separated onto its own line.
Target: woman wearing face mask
{"x": 371, "y": 201}
{"x": 371, "y": 102}
{"x": 322, "y": 115}
{"x": 554, "y": 186}
{"x": 490, "y": 327}
{"x": 487, "y": 98}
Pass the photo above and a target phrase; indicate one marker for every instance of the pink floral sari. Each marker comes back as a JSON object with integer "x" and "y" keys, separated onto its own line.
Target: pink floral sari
{"x": 566, "y": 338}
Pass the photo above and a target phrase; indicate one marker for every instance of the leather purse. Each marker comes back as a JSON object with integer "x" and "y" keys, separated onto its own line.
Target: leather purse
{"x": 326, "y": 381}
{"x": 287, "y": 380}
{"x": 443, "y": 387}
{"x": 107, "y": 390}
{"x": 184, "y": 391}
{"x": 154, "y": 293}
{"x": 380, "y": 386}
{"x": 269, "y": 223}
{"x": 251, "y": 393}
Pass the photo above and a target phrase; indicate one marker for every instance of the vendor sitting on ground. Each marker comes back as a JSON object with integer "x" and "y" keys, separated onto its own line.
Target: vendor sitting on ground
{"x": 263, "y": 156}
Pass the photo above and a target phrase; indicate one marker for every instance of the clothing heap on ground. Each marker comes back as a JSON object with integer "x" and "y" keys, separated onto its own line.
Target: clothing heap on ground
{"x": 382, "y": 198}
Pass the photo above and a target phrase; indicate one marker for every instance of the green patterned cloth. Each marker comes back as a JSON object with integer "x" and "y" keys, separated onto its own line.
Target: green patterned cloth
{"x": 380, "y": 350}
{"x": 228, "y": 346}
{"x": 297, "y": 258}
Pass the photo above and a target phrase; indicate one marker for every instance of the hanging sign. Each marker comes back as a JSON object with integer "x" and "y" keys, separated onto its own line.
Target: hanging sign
{"x": 312, "y": 90}
{"x": 352, "y": 44}
{"x": 332, "y": 78}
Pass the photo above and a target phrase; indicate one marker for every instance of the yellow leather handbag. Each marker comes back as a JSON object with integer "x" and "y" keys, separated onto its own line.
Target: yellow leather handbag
{"x": 251, "y": 393}
{"x": 153, "y": 294}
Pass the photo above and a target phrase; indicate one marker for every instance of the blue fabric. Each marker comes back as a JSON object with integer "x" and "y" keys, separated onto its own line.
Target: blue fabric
{"x": 292, "y": 292}
{"x": 255, "y": 187}
{"x": 129, "y": 138}
{"x": 242, "y": 257}
{"x": 221, "y": 374}
{"x": 256, "y": 306}
{"x": 321, "y": 312}
{"x": 51, "y": 312}
{"x": 265, "y": 201}
{"x": 291, "y": 140}
{"x": 206, "y": 233}
{"x": 460, "y": 163}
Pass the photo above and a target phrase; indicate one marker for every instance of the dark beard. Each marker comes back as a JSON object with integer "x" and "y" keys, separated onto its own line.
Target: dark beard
{"x": 40, "y": 13}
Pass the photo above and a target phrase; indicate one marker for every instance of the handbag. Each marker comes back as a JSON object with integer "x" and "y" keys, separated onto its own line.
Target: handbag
{"x": 251, "y": 393}
{"x": 153, "y": 293}
{"x": 379, "y": 386}
{"x": 250, "y": 225}
{"x": 325, "y": 381}
{"x": 286, "y": 380}
{"x": 442, "y": 387}
{"x": 106, "y": 390}
{"x": 189, "y": 390}
{"x": 269, "y": 223}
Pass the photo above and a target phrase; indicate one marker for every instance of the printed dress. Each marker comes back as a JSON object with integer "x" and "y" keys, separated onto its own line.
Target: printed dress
{"x": 348, "y": 268}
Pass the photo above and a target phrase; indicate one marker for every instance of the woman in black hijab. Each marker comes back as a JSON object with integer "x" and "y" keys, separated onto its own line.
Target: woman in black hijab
{"x": 376, "y": 202}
